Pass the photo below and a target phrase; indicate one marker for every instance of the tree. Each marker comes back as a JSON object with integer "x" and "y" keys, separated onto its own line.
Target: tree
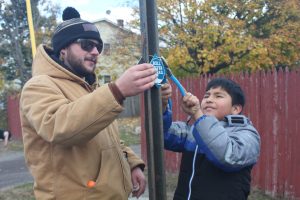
{"x": 15, "y": 44}
{"x": 210, "y": 36}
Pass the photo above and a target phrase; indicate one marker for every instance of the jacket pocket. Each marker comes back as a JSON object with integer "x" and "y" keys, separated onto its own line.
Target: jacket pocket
{"x": 114, "y": 178}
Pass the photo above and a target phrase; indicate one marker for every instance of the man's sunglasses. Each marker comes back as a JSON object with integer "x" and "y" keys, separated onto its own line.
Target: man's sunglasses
{"x": 88, "y": 45}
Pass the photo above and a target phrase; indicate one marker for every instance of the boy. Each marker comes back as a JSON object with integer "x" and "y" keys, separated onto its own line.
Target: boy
{"x": 219, "y": 150}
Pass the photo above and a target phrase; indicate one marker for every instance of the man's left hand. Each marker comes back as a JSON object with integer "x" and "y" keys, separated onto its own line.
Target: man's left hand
{"x": 138, "y": 182}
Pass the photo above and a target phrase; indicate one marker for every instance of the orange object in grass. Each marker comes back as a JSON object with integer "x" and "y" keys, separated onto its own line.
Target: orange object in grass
{"x": 91, "y": 184}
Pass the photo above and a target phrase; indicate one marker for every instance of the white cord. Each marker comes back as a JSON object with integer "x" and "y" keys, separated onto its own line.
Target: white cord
{"x": 190, "y": 183}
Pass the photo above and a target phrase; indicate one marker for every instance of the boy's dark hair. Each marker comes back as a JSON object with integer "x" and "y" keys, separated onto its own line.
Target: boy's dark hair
{"x": 231, "y": 87}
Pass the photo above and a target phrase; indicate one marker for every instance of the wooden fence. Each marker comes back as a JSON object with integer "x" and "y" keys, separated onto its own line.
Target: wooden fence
{"x": 272, "y": 104}
{"x": 13, "y": 116}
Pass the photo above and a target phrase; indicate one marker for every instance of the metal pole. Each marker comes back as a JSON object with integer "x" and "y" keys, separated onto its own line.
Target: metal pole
{"x": 147, "y": 104}
{"x": 160, "y": 179}
{"x": 31, "y": 29}
{"x": 153, "y": 107}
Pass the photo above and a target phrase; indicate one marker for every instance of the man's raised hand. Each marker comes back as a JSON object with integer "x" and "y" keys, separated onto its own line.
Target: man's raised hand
{"x": 136, "y": 79}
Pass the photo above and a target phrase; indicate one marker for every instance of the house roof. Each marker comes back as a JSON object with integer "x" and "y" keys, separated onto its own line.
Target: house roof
{"x": 105, "y": 20}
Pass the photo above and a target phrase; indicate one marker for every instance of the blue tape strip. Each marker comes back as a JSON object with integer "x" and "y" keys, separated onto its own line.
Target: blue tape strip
{"x": 178, "y": 84}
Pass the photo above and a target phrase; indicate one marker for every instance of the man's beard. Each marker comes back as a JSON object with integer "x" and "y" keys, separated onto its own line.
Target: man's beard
{"x": 77, "y": 65}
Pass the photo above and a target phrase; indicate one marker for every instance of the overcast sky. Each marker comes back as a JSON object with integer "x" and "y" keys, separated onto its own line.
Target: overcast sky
{"x": 92, "y": 10}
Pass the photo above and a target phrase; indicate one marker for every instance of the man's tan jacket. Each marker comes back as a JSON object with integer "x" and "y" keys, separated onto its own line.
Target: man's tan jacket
{"x": 71, "y": 137}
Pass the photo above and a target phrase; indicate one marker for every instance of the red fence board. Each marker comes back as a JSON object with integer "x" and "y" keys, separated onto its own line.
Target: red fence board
{"x": 13, "y": 116}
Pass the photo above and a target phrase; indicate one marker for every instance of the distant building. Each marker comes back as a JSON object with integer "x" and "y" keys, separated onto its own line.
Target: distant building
{"x": 121, "y": 49}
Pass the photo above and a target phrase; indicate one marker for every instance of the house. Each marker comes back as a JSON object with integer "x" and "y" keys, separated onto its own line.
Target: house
{"x": 121, "y": 49}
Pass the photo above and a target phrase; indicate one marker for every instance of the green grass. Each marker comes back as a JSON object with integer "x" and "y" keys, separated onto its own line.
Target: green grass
{"x": 15, "y": 145}
{"x": 23, "y": 192}
{"x": 12, "y": 146}
{"x": 128, "y": 131}
{"x": 129, "y": 139}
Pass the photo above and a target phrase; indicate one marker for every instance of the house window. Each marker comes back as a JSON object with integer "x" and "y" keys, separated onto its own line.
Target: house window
{"x": 106, "y": 78}
{"x": 106, "y": 49}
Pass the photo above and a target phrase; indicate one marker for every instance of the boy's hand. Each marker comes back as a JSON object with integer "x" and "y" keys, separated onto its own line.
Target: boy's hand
{"x": 191, "y": 106}
{"x": 166, "y": 93}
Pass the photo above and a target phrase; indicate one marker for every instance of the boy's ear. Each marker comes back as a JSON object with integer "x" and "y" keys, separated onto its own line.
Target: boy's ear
{"x": 236, "y": 109}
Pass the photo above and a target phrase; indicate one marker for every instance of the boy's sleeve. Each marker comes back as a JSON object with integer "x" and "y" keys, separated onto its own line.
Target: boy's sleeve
{"x": 177, "y": 135}
{"x": 231, "y": 148}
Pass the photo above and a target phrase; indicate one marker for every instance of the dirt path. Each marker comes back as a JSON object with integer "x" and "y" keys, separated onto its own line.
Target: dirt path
{"x": 13, "y": 170}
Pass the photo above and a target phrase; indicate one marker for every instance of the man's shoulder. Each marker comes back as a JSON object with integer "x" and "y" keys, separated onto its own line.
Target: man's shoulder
{"x": 39, "y": 79}
{"x": 39, "y": 83}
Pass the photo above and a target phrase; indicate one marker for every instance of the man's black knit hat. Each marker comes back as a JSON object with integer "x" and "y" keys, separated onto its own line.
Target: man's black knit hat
{"x": 71, "y": 29}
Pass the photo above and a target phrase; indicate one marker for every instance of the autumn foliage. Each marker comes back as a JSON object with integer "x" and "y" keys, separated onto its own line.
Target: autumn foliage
{"x": 210, "y": 36}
